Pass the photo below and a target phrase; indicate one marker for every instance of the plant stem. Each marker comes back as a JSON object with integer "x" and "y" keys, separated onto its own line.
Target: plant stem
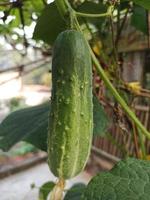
{"x": 142, "y": 145}
{"x": 92, "y": 15}
{"x": 57, "y": 192}
{"x": 62, "y": 7}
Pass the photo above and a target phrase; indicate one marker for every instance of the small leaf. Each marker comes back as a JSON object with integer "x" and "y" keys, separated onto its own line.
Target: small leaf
{"x": 45, "y": 189}
{"x": 100, "y": 119}
{"x": 129, "y": 179}
{"x": 139, "y": 19}
{"x": 75, "y": 192}
{"x": 49, "y": 24}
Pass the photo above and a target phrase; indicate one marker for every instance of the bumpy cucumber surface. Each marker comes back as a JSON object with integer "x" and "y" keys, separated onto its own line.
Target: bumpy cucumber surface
{"x": 71, "y": 116}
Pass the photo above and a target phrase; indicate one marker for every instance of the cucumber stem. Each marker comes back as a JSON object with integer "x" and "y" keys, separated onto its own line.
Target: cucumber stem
{"x": 57, "y": 192}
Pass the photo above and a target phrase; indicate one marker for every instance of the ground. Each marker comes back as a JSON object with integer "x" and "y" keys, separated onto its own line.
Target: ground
{"x": 18, "y": 186}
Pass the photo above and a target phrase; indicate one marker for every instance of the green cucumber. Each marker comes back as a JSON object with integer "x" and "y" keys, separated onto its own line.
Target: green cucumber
{"x": 71, "y": 116}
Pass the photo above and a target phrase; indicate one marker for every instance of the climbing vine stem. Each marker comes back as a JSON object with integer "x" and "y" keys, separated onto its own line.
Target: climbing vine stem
{"x": 92, "y": 15}
{"x": 104, "y": 77}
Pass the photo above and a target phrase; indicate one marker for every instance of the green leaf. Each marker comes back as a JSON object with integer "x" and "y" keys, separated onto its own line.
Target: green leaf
{"x": 100, "y": 119}
{"x": 49, "y": 25}
{"x": 29, "y": 124}
{"x": 139, "y": 19}
{"x": 144, "y": 3}
{"x": 45, "y": 189}
{"x": 75, "y": 192}
{"x": 129, "y": 179}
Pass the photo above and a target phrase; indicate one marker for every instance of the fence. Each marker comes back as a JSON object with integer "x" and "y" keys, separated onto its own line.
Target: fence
{"x": 112, "y": 151}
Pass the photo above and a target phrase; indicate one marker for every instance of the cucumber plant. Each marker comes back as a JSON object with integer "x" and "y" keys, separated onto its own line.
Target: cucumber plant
{"x": 71, "y": 118}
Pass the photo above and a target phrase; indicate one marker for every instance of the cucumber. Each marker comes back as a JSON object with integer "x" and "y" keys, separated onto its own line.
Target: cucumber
{"x": 71, "y": 115}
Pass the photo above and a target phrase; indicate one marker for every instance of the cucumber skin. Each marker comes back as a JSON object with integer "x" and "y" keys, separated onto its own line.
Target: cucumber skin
{"x": 71, "y": 117}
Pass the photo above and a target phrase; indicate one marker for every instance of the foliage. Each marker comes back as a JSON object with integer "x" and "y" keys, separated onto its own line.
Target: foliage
{"x": 17, "y": 15}
{"x": 129, "y": 179}
{"x": 75, "y": 192}
{"x": 144, "y": 3}
{"x": 45, "y": 189}
{"x": 29, "y": 124}
{"x": 49, "y": 24}
{"x": 140, "y": 15}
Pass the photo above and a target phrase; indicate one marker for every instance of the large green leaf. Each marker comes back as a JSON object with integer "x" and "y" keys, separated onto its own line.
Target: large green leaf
{"x": 49, "y": 25}
{"x": 129, "y": 179}
{"x": 31, "y": 125}
{"x": 139, "y": 19}
{"x": 75, "y": 192}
